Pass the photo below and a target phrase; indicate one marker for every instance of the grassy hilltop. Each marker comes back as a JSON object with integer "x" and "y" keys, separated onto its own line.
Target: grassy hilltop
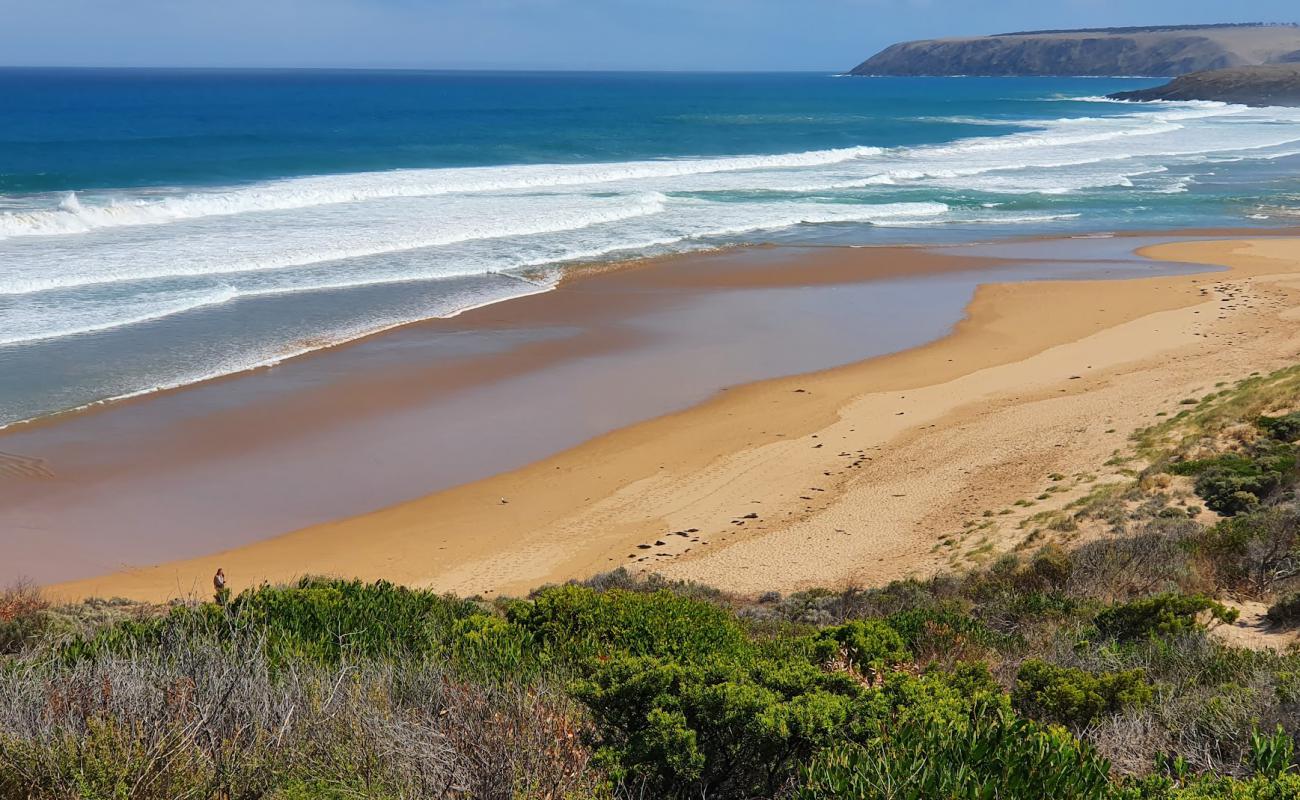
{"x": 1108, "y": 669}
{"x": 1153, "y": 50}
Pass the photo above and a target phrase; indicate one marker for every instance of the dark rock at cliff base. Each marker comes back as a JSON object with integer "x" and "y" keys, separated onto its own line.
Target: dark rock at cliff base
{"x": 1271, "y": 85}
{"x": 1103, "y": 51}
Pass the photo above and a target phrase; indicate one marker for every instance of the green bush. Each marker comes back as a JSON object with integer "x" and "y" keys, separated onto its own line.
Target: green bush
{"x": 1272, "y": 754}
{"x": 674, "y": 729}
{"x": 578, "y": 623}
{"x": 946, "y": 633}
{"x": 1266, "y": 455}
{"x": 322, "y": 620}
{"x": 1230, "y": 493}
{"x": 1234, "y": 483}
{"x": 105, "y": 761}
{"x": 988, "y": 753}
{"x": 1073, "y": 697}
{"x": 1163, "y": 615}
{"x": 937, "y": 695}
{"x": 1285, "y": 428}
{"x": 1211, "y": 787}
{"x": 315, "y": 620}
{"x": 868, "y": 647}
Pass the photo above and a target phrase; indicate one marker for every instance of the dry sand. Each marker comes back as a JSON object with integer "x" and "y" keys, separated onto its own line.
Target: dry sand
{"x": 852, "y": 475}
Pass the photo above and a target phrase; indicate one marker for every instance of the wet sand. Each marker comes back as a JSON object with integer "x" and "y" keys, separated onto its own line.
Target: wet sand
{"x": 431, "y": 406}
{"x": 498, "y": 390}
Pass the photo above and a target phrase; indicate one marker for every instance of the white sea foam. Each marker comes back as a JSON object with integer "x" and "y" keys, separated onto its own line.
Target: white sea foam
{"x": 81, "y": 213}
{"x": 72, "y": 215}
{"x": 83, "y": 264}
{"x": 226, "y": 251}
{"x": 1009, "y": 219}
{"x": 1146, "y": 103}
{"x": 50, "y": 309}
{"x": 35, "y": 326}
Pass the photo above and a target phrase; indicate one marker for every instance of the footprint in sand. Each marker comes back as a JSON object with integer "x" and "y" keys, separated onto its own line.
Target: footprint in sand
{"x": 12, "y": 464}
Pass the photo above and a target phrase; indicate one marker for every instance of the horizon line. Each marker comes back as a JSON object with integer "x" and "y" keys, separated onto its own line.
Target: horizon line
{"x": 571, "y": 70}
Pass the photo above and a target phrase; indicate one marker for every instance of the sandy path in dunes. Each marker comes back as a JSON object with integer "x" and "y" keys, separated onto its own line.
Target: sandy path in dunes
{"x": 851, "y": 475}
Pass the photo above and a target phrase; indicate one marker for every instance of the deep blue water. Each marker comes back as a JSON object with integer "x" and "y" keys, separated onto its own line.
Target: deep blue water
{"x": 98, "y": 129}
{"x": 159, "y": 227}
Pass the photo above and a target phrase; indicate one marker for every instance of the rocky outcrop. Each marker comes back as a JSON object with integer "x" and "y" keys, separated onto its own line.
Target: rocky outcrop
{"x": 1271, "y": 85}
{"x": 1109, "y": 51}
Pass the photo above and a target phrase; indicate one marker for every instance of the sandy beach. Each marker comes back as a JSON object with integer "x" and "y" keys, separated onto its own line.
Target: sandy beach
{"x": 847, "y": 475}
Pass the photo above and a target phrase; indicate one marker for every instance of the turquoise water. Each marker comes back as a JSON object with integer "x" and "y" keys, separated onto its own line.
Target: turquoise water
{"x": 158, "y": 228}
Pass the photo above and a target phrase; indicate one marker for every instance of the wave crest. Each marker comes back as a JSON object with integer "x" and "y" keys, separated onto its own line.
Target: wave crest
{"x": 72, "y": 215}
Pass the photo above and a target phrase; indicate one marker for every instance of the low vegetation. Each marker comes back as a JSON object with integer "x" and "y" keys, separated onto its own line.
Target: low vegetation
{"x": 1094, "y": 672}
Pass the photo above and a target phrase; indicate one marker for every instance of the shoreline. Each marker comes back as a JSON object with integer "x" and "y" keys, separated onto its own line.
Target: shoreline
{"x": 588, "y": 508}
{"x": 435, "y": 406}
{"x": 571, "y": 274}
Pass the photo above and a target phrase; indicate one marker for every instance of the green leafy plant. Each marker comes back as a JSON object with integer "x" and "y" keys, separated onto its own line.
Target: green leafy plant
{"x": 716, "y": 730}
{"x": 866, "y": 646}
{"x": 988, "y": 753}
{"x": 1233, "y": 483}
{"x": 1163, "y": 615}
{"x": 1272, "y": 754}
{"x": 1073, "y": 697}
{"x": 1285, "y": 428}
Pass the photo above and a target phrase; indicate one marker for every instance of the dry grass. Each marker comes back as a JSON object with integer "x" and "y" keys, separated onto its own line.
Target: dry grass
{"x": 194, "y": 717}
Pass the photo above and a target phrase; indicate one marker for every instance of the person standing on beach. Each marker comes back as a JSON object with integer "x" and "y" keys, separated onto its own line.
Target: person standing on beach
{"x": 220, "y": 593}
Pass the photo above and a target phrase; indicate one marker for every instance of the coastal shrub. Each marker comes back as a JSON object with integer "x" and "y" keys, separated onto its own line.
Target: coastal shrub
{"x": 1073, "y": 697}
{"x": 1208, "y": 787}
{"x": 1013, "y": 593}
{"x": 1231, "y": 493}
{"x": 1285, "y": 428}
{"x": 1233, "y": 483}
{"x": 490, "y": 648}
{"x": 1286, "y": 611}
{"x": 1252, "y": 552}
{"x": 1154, "y": 559}
{"x": 194, "y": 718}
{"x": 947, "y": 633}
{"x": 1049, "y": 570}
{"x": 1272, "y": 754}
{"x": 986, "y": 753}
{"x": 1264, "y": 455}
{"x": 940, "y": 694}
{"x": 323, "y": 620}
{"x": 869, "y": 647}
{"x": 909, "y": 594}
{"x": 653, "y": 582}
{"x": 1192, "y": 662}
{"x": 712, "y": 729}
{"x": 1163, "y": 615}
{"x": 576, "y": 623}
{"x": 317, "y": 620}
{"x": 340, "y": 689}
{"x": 23, "y": 617}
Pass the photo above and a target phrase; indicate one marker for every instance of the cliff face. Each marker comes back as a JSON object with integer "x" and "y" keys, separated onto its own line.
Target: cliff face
{"x": 1162, "y": 51}
{"x": 1272, "y": 85}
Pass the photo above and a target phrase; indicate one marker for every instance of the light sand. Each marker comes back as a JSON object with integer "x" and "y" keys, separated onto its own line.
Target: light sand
{"x": 1040, "y": 378}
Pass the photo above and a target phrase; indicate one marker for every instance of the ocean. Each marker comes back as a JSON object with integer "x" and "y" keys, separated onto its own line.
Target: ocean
{"x": 159, "y": 228}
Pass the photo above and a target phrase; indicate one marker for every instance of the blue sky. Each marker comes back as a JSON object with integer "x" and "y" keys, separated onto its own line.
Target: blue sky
{"x": 545, "y": 34}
